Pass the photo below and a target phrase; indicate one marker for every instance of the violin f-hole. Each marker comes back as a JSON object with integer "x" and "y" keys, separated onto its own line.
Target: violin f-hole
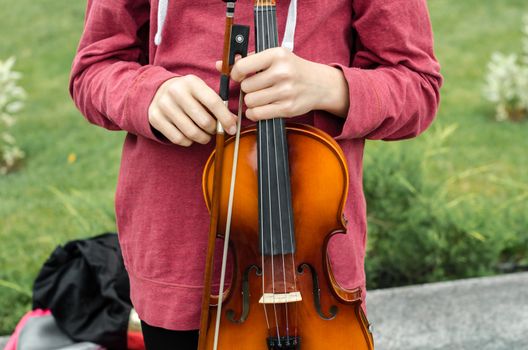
{"x": 230, "y": 314}
{"x": 317, "y": 293}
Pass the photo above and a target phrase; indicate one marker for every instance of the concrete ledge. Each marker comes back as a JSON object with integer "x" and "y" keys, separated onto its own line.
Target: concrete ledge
{"x": 3, "y": 341}
{"x": 489, "y": 313}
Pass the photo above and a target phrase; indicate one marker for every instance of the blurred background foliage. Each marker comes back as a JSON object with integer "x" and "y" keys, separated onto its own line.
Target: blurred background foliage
{"x": 450, "y": 204}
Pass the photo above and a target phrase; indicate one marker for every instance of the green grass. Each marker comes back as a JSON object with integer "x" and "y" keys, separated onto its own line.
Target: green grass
{"x": 466, "y": 34}
{"x": 485, "y": 168}
{"x": 484, "y": 171}
{"x": 50, "y": 201}
{"x": 35, "y": 201}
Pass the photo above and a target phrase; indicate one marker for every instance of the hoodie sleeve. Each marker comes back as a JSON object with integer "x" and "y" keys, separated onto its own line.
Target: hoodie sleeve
{"x": 394, "y": 78}
{"x": 109, "y": 84}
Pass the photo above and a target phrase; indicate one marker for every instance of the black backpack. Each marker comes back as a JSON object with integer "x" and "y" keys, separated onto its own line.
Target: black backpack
{"x": 86, "y": 287}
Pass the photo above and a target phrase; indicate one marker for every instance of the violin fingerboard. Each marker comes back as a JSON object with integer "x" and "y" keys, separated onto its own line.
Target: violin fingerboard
{"x": 275, "y": 204}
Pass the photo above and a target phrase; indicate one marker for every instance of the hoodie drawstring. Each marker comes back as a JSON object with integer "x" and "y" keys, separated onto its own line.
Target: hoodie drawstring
{"x": 291, "y": 23}
{"x": 289, "y": 33}
{"x": 163, "y": 6}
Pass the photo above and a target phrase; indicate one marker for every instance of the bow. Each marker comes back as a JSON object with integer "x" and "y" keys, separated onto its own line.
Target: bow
{"x": 235, "y": 42}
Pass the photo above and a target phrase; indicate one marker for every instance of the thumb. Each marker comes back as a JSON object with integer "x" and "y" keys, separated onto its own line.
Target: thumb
{"x": 218, "y": 64}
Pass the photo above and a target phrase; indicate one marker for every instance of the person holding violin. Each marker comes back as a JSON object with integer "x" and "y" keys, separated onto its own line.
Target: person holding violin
{"x": 359, "y": 69}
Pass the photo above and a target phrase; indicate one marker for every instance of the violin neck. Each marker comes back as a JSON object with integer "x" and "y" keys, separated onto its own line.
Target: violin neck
{"x": 275, "y": 204}
{"x": 266, "y": 35}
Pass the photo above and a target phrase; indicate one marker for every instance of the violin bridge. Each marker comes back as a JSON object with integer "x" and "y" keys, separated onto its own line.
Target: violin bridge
{"x": 282, "y": 298}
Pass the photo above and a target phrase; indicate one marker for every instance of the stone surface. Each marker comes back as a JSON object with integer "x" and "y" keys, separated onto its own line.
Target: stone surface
{"x": 488, "y": 313}
{"x": 3, "y": 342}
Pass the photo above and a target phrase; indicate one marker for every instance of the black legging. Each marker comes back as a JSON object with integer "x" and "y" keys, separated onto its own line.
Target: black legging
{"x": 164, "y": 339}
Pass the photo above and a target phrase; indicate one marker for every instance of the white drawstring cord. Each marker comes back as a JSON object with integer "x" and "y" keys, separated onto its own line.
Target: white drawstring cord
{"x": 163, "y": 6}
{"x": 291, "y": 23}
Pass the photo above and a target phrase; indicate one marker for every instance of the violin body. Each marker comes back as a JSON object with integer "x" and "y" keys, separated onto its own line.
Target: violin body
{"x": 314, "y": 312}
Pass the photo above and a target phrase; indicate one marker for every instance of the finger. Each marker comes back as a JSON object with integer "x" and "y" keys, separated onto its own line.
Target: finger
{"x": 263, "y": 97}
{"x": 253, "y": 64}
{"x": 206, "y": 96}
{"x": 198, "y": 114}
{"x": 270, "y": 111}
{"x": 218, "y": 64}
{"x": 259, "y": 81}
{"x": 160, "y": 123}
{"x": 191, "y": 130}
{"x": 183, "y": 122}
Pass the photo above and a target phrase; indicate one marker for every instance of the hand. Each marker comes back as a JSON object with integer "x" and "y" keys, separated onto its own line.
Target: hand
{"x": 185, "y": 110}
{"x": 278, "y": 83}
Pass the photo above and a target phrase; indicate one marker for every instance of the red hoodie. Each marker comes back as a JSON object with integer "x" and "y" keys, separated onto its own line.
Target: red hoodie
{"x": 385, "y": 49}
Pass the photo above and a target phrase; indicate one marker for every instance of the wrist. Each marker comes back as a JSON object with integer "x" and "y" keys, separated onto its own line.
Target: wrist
{"x": 334, "y": 97}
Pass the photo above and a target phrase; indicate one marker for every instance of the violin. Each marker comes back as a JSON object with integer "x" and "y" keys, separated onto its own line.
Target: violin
{"x": 285, "y": 205}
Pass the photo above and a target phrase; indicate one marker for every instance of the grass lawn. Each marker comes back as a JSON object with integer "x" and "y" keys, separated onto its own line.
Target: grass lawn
{"x": 52, "y": 200}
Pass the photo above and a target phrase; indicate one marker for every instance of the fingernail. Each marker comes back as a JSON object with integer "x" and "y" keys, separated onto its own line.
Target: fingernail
{"x": 232, "y": 130}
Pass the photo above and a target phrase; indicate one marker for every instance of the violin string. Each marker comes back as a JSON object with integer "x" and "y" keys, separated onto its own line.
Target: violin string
{"x": 276, "y": 122}
{"x": 280, "y": 225}
{"x": 282, "y": 140}
{"x": 265, "y": 45}
{"x": 267, "y": 124}
{"x": 294, "y": 264}
{"x": 271, "y": 228}
{"x": 259, "y": 44}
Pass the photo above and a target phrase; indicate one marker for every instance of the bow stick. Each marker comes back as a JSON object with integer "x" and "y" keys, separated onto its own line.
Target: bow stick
{"x": 239, "y": 45}
{"x": 235, "y": 42}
